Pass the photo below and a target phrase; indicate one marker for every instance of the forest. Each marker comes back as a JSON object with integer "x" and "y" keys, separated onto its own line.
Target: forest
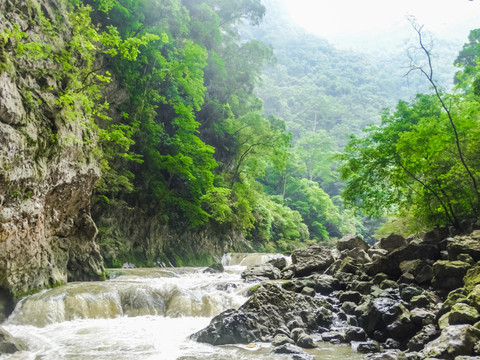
{"x": 210, "y": 117}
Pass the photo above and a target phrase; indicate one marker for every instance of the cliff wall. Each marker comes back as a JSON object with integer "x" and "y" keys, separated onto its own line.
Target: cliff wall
{"x": 47, "y": 164}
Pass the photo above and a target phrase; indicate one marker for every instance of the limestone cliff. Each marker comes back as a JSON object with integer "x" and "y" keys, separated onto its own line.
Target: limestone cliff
{"x": 47, "y": 169}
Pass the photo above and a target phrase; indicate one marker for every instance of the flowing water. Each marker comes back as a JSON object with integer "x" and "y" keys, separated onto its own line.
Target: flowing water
{"x": 142, "y": 314}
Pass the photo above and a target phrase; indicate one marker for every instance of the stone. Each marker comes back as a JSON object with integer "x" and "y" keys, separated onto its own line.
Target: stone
{"x": 295, "y": 351}
{"x": 353, "y": 296}
{"x": 390, "y": 263}
{"x": 408, "y": 292}
{"x": 391, "y": 242}
{"x": 462, "y": 314}
{"x": 278, "y": 262}
{"x": 448, "y": 275}
{"x": 352, "y": 242}
{"x": 358, "y": 255}
{"x": 368, "y": 347}
{"x": 314, "y": 258}
{"x": 305, "y": 341}
{"x": 269, "y": 308}
{"x": 308, "y": 291}
{"x": 216, "y": 268}
{"x": 335, "y": 337}
{"x": 417, "y": 342}
{"x": 421, "y": 316}
{"x": 466, "y": 244}
{"x": 355, "y": 333}
{"x": 281, "y": 339}
{"x": 262, "y": 271}
{"x": 8, "y": 344}
{"x": 388, "y": 284}
{"x": 348, "y": 307}
{"x": 453, "y": 341}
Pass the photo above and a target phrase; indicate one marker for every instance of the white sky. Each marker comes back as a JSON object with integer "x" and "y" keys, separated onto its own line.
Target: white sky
{"x": 338, "y": 19}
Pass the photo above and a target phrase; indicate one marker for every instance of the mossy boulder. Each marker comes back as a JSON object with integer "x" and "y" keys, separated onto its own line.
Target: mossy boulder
{"x": 448, "y": 275}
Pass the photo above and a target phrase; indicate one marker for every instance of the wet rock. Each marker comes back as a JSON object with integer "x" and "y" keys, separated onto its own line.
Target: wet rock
{"x": 296, "y": 352}
{"x": 295, "y": 333}
{"x": 308, "y": 291}
{"x": 349, "y": 307}
{"x": 363, "y": 287}
{"x": 448, "y": 275}
{"x": 420, "y": 301}
{"x": 425, "y": 335}
{"x": 278, "y": 262}
{"x": 408, "y": 292}
{"x": 352, "y": 242}
{"x": 453, "y": 341}
{"x": 269, "y": 308}
{"x": 261, "y": 271}
{"x": 388, "y": 355}
{"x": 281, "y": 339}
{"x": 352, "y": 296}
{"x": 421, "y": 316}
{"x": 459, "y": 314}
{"x": 355, "y": 333}
{"x": 216, "y": 268}
{"x": 334, "y": 337}
{"x": 314, "y": 258}
{"x": 325, "y": 284}
{"x": 378, "y": 278}
{"x": 388, "y": 284}
{"x": 392, "y": 242}
{"x": 368, "y": 347}
{"x": 325, "y": 317}
{"x": 305, "y": 341}
{"x": 8, "y": 344}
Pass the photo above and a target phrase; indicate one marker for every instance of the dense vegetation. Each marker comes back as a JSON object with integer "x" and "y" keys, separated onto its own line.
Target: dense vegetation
{"x": 168, "y": 90}
{"x": 421, "y": 163}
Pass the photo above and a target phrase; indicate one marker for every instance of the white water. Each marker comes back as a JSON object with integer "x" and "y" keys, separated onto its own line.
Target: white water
{"x": 144, "y": 314}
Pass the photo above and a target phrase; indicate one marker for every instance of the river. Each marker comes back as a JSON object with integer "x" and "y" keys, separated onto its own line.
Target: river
{"x": 141, "y": 314}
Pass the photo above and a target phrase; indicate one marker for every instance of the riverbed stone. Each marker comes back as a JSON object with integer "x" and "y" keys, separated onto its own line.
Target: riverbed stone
{"x": 448, "y": 275}
{"x": 391, "y": 242}
{"x": 266, "y": 270}
{"x": 352, "y": 242}
{"x": 314, "y": 258}
{"x": 466, "y": 244}
{"x": 425, "y": 335}
{"x": 453, "y": 341}
{"x": 8, "y": 344}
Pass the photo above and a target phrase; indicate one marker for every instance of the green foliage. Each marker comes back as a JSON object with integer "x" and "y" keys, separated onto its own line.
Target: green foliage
{"x": 409, "y": 164}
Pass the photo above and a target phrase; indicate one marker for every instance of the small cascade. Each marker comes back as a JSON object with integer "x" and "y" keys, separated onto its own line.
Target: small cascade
{"x": 247, "y": 259}
{"x": 138, "y": 292}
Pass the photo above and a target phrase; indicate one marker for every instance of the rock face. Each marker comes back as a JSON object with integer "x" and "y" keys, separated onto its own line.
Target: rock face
{"x": 314, "y": 258}
{"x": 268, "y": 309}
{"x": 47, "y": 169}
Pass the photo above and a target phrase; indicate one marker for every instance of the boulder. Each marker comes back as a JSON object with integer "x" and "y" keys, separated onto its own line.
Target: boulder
{"x": 390, "y": 264}
{"x": 355, "y": 333}
{"x": 269, "y": 308}
{"x": 352, "y": 242}
{"x": 281, "y": 339}
{"x": 392, "y": 242}
{"x": 448, "y": 275}
{"x": 279, "y": 262}
{"x": 216, "y": 268}
{"x": 459, "y": 314}
{"x": 417, "y": 342}
{"x": 262, "y": 271}
{"x": 8, "y": 344}
{"x": 296, "y": 352}
{"x": 315, "y": 258}
{"x": 453, "y": 341}
{"x": 467, "y": 244}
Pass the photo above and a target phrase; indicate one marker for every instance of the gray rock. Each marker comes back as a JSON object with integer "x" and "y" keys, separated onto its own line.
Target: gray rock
{"x": 453, "y": 341}
{"x": 305, "y": 341}
{"x": 8, "y": 344}
{"x": 467, "y": 244}
{"x": 262, "y": 271}
{"x": 281, "y": 339}
{"x": 352, "y": 242}
{"x": 392, "y": 242}
{"x": 314, "y": 258}
{"x": 417, "y": 342}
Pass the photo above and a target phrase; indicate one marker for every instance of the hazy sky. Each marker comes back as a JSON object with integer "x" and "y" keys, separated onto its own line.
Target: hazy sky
{"x": 339, "y": 19}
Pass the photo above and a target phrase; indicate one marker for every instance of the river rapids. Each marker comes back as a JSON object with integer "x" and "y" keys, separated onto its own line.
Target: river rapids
{"x": 141, "y": 314}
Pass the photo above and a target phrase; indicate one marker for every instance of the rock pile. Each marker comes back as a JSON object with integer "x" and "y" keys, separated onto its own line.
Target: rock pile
{"x": 399, "y": 299}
